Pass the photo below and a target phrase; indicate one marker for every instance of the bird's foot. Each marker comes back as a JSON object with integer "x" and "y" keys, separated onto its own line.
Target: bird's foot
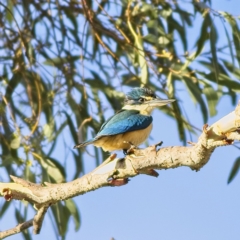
{"x": 129, "y": 150}
{"x": 159, "y": 144}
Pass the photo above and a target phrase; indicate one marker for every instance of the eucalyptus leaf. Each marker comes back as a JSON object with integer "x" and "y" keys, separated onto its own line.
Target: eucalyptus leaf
{"x": 53, "y": 169}
{"x": 15, "y": 143}
{"x": 71, "y": 206}
{"x": 234, "y": 170}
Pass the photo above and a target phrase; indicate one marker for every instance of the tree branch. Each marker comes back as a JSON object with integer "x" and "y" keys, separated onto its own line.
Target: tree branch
{"x": 115, "y": 171}
{"x": 19, "y": 228}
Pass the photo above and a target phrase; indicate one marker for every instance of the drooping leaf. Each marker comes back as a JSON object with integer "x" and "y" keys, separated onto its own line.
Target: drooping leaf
{"x": 204, "y": 35}
{"x": 21, "y": 219}
{"x": 235, "y": 34}
{"x": 12, "y": 84}
{"x": 180, "y": 125}
{"x": 175, "y": 26}
{"x": 71, "y": 206}
{"x": 52, "y": 168}
{"x": 61, "y": 215}
{"x": 71, "y": 127}
{"x": 4, "y": 208}
{"x": 230, "y": 47}
{"x": 234, "y": 170}
{"x": 196, "y": 95}
{"x": 212, "y": 98}
{"x": 213, "y": 43}
{"x": 78, "y": 159}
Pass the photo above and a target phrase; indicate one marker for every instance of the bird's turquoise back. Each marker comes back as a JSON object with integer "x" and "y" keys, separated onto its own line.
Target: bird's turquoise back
{"x": 124, "y": 121}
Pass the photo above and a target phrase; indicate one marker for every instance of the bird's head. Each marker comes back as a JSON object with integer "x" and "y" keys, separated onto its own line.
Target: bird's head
{"x": 144, "y": 100}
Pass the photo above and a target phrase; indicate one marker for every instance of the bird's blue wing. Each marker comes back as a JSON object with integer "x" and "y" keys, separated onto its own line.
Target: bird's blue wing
{"x": 124, "y": 121}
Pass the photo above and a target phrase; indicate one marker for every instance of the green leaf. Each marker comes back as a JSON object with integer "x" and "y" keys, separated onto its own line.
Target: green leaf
{"x": 163, "y": 40}
{"x": 150, "y": 38}
{"x": 4, "y": 208}
{"x": 139, "y": 53}
{"x": 28, "y": 173}
{"x": 204, "y": 35}
{"x": 48, "y": 130}
{"x": 53, "y": 138}
{"x": 212, "y": 98}
{"x": 208, "y": 64}
{"x": 196, "y": 94}
{"x": 166, "y": 12}
{"x": 79, "y": 164}
{"x": 61, "y": 60}
{"x": 10, "y": 11}
{"x": 130, "y": 80}
{"x": 185, "y": 15}
{"x": 170, "y": 85}
{"x": 53, "y": 169}
{"x": 115, "y": 98}
{"x": 234, "y": 170}
{"x": 21, "y": 219}
{"x": 12, "y": 84}
{"x": 71, "y": 127}
{"x": 146, "y": 7}
{"x": 231, "y": 68}
{"x": 233, "y": 97}
{"x": 230, "y": 47}
{"x": 61, "y": 215}
{"x": 72, "y": 207}
{"x": 224, "y": 80}
{"x": 71, "y": 17}
{"x": 174, "y": 25}
{"x": 235, "y": 33}
{"x": 15, "y": 143}
{"x": 180, "y": 125}
{"x": 227, "y": 82}
{"x": 213, "y": 42}
{"x": 155, "y": 28}
{"x": 30, "y": 52}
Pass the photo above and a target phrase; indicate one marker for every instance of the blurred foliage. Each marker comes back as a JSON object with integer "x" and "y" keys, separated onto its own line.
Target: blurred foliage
{"x": 234, "y": 170}
{"x": 65, "y": 62}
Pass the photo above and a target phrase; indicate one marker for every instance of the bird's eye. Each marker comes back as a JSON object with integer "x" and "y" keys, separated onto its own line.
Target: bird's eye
{"x": 141, "y": 100}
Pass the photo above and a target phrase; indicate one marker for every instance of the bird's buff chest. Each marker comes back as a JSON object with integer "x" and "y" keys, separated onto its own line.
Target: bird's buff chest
{"x": 118, "y": 142}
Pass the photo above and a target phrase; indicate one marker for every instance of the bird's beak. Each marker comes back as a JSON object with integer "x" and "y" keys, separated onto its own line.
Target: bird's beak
{"x": 159, "y": 102}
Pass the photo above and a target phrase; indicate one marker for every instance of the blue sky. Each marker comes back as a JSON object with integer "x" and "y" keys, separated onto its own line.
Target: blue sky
{"x": 180, "y": 204}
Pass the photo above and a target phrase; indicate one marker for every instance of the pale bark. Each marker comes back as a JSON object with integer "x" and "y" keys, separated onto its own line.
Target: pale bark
{"x": 115, "y": 171}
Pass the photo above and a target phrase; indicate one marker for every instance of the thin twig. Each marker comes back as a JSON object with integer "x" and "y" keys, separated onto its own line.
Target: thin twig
{"x": 19, "y": 228}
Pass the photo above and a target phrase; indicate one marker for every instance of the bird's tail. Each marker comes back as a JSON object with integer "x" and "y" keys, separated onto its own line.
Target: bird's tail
{"x": 83, "y": 144}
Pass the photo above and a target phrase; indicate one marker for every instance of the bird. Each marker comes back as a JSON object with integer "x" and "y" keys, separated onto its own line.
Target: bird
{"x": 130, "y": 126}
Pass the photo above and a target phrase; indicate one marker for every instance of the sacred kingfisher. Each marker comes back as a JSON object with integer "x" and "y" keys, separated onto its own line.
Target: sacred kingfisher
{"x": 131, "y": 125}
